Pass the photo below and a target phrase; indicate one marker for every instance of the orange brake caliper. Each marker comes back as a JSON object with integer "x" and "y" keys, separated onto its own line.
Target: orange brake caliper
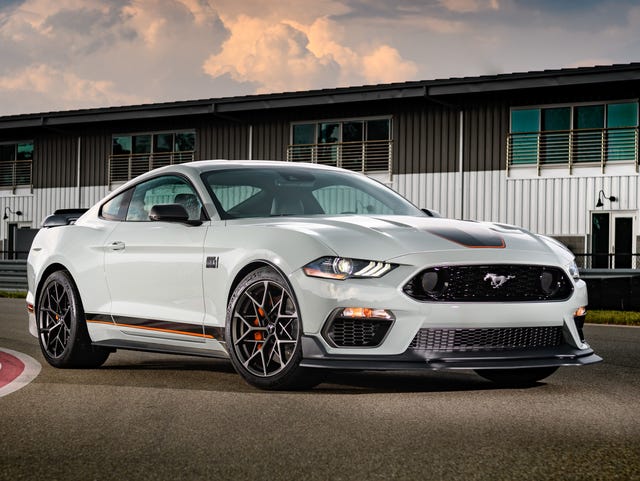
{"x": 258, "y": 335}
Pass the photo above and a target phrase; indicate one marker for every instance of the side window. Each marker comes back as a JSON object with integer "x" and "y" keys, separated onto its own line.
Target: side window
{"x": 116, "y": 208}
{"x": 163, "y": 190}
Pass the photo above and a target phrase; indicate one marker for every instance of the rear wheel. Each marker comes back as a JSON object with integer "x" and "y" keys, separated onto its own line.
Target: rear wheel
{"x": 263, "y": 332}
{"x": 517, "y": 377}
{"x": 62, "y": 331}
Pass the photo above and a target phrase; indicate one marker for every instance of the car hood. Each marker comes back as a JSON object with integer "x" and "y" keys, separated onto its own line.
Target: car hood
{"x": 389, "y": 237}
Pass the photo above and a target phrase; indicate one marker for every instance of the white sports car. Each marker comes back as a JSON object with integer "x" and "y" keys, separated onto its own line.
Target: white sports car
{"x": 290, "y": 268}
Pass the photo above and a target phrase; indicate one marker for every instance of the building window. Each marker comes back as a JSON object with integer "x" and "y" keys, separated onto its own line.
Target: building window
{"x": 135, "y": 154}
{"x": 594, "y": 134}
{"x": 16, "y": 163}
{"x": 363, "y": 145}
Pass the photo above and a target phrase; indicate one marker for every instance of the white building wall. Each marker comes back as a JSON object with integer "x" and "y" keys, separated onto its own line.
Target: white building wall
{"x": 547, "y": 205}
{"x": 37, "y": 205}
{"x": 557, "y": 206}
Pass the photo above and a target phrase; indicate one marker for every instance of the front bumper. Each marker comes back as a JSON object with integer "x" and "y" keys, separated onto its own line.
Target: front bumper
{"x": 316, "y": 356}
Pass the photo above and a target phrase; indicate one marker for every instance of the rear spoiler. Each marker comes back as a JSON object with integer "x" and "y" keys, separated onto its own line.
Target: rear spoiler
{"x": 63, "y": 217}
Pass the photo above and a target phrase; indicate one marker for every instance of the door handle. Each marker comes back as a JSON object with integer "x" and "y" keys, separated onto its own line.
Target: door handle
{"x": 116, "y": 246}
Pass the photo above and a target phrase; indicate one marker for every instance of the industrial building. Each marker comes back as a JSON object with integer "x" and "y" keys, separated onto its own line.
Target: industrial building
{"x": 555, "y": 151}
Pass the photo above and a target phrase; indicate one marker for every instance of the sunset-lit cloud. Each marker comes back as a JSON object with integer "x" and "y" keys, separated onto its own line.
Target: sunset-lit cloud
{"x": 291, "y": 56}
{"x": 90, "y": 53}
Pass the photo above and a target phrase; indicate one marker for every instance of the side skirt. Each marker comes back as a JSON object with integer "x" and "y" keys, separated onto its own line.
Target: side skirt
{"x": 141, "y": 346}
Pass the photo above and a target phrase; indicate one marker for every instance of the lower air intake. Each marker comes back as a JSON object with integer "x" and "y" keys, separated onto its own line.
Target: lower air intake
{"x": 486, "y": 339}
{"x": 345, "y": 332}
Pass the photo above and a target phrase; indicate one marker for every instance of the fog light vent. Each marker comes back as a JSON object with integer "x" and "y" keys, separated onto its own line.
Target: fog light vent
{"x": 348, "y": 332}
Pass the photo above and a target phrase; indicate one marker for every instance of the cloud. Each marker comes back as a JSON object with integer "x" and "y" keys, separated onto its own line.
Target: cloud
{"x": 465, "y": 6}
{"x": 84, "y": 53}
{"x": 122, "y": 51}
{"x": 287, "y": 55}
{"x": 37, "y": 82}
{"x": 385, "y": 65}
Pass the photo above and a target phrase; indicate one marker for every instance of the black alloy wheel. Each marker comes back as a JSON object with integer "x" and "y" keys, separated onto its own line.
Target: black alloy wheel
{"x": 62, "y": 331}
{"x": 263, "y": 333}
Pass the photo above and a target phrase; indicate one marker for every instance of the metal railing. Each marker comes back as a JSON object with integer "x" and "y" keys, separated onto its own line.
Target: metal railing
{"x": 15, "y": 173}
{"x": 123, "y": 167}
{"x": 609, "y": 260}
{"x": 571, "y": 147}
{"x": 367, "y": 156}
{"x": 13, "y": 274}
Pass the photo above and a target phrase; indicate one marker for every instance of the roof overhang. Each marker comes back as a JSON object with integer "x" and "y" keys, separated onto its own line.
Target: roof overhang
{"x": 446, "y": 89}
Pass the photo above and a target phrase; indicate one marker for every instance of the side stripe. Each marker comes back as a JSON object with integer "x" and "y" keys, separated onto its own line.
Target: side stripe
{"x": 181, "y": 328}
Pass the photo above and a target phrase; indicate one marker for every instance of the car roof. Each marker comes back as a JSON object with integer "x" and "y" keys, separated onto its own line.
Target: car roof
{"x": 194, "y": 169}
{"x": 207, "y": 165}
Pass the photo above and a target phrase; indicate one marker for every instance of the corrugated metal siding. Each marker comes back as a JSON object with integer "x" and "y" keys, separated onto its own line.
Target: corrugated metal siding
{"x": 485, "y": 132}
{"x": 35, "y": 207}
{"x": 222, "y": 141}
{"x": 270, "y": 140}
{"x": 54, "y": 161}
{"x": 434, "y": 191}
{"x": 425, "y": 140}
{"x": 95, "y": 149}
{"x": 552, "y": 206}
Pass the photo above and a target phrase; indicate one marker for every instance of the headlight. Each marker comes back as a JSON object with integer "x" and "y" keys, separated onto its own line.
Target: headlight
{"x": 344, "y": 268}
{"x": 572, "y": 268}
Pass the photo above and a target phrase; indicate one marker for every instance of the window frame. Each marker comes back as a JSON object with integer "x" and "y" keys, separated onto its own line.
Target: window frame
{"x": 129, "y": 191}
{"x": 14, "y": 185}
{"x": 153, "y": 133}
{"x": 341, "y": 120}
{"x": 573, "y": 161}
{"x": 133, "y": 160}
{"x": 571, "y": 105}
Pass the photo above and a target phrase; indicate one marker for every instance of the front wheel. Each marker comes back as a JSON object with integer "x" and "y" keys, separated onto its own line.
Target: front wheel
{"x": 62, "y": 332}
{"x": 517, "y": 377}
{"x": 263, "y": 332}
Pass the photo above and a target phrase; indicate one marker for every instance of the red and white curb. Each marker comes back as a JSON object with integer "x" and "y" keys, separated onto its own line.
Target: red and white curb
{"x": 16, "y": 370}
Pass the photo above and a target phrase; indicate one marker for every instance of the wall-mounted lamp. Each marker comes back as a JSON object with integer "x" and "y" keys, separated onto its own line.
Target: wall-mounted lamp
{"x": 11, "y": 211}
{"x": 601, "y": 194}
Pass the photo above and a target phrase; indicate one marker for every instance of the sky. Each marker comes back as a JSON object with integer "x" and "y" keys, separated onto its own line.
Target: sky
{"x": 74, "y": 54}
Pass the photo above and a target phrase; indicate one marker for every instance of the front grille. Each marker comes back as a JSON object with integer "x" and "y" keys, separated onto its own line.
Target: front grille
{"x": 486, "y": 339}
{"x": 344, "y": 332}
{"x": 490, "y": 283}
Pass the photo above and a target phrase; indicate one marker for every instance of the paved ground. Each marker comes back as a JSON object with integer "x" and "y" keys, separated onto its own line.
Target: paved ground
{"x": 145, "y": 416}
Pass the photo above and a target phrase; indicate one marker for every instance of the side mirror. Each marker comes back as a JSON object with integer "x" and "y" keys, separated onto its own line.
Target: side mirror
{"x": 171, "y": 213}
{"x": 431, "y": 213}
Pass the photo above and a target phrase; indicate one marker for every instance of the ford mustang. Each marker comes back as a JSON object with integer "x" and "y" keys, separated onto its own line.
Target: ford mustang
{"x": 291, "y": 269}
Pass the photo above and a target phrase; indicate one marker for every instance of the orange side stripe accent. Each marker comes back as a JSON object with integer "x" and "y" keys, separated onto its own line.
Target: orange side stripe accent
{"x": 193, "y": 334}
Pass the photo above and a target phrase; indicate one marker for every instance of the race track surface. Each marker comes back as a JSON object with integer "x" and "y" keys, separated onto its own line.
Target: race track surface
{"x": 148, "y": 416}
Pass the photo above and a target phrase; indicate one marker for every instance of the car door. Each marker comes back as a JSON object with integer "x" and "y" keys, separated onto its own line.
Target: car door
{"x": 154, "y": 268}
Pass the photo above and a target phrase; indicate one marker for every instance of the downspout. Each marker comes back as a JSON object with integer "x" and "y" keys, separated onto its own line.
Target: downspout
{"x": 78, "y": 174}
{"x": 461, "y": 164}
{"x": 250, "y": 142}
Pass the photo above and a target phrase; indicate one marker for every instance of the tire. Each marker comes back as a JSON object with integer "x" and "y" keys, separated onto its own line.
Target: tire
{"x": 62, "y": 330}
{"x": 517, "y": 377}
{"x": 263, "y": 333}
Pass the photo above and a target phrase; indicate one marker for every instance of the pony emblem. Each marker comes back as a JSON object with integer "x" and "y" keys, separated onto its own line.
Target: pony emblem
{"x": 496, "y": 280}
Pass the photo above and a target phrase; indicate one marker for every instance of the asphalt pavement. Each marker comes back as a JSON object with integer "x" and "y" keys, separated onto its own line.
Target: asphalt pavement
{"x": 148, "y": 416}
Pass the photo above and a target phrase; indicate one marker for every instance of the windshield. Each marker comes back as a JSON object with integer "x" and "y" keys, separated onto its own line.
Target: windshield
{"x": 297, "y": 191}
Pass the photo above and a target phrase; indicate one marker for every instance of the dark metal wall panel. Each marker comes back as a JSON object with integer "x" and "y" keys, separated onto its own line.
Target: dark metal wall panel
{"x": 270, "y": 140}
{"x": 220, "y": 140}
{"x": 94, "y": 154}
{"x": 485, "y": 132}
{"x": 425, "y": 139}
{"x": 55, "y": 161}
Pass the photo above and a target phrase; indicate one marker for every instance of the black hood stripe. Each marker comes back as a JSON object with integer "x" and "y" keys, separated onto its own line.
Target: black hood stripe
{"x": 473, "y": 237}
